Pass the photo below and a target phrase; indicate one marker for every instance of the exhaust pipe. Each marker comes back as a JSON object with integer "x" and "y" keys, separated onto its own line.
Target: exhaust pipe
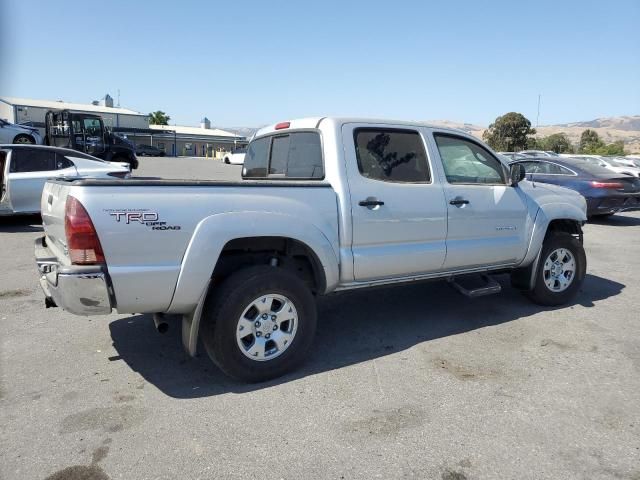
{"x": 160, "y": 321}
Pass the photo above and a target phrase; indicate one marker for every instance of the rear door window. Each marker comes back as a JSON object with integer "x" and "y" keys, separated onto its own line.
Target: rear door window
{"x": 391, "y": 155}
{"x": 296, "y": 155}
{"x": 32, "y": 160}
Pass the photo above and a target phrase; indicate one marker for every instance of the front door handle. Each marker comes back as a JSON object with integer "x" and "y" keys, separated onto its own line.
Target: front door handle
{"x": 459, "y": 202}
{"x": 371, "y": 203}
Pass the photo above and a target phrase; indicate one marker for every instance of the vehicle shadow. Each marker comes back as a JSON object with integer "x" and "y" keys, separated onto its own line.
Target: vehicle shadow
{"x": 21, "y": 223}
{"x": 617, "y": 220}
{"x": 352, "y": 328}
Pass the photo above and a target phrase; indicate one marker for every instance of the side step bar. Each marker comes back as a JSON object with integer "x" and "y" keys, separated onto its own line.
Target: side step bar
{"x": 475, "y": 286}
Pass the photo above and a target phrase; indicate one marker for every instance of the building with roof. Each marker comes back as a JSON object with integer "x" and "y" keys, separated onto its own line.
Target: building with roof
{"x": 189, "y": 141}
{"x": 26, "y": 110}
{"x": 174, "y": 140}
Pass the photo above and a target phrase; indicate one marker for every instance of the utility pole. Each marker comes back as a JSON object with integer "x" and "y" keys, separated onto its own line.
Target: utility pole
{"x": 119, "y": 99}
{"x": 538, "y": 115}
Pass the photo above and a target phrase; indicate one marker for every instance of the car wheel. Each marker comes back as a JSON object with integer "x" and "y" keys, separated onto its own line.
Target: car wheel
{"x": 561, "y": 269}
{"x": 259, "y": 323}
{"x": 24, "y": 139}
{"x": 226, "y": 160}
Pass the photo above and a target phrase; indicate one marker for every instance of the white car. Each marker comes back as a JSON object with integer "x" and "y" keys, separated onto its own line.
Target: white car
{"x": 236, "y": 157}
{"x": 628, "y": 161}
{"x": 611, "y": 164}
{"x": 24, "y": 169}
{"x": 11, "y": 133}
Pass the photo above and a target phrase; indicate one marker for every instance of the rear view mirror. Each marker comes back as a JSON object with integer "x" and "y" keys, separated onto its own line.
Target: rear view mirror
{"x": 516, "y": 173}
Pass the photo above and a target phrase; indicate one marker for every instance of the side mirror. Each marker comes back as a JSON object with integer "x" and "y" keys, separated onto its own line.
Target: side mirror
{"x": 516, "y": 173}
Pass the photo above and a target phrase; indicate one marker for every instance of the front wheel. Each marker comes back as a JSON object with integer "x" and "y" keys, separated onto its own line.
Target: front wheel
{"x": 259, "y": 323}
{"x": 561, "y": 270}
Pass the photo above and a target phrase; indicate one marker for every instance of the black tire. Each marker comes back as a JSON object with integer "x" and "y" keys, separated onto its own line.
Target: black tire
{"x": 543, "y": 295}
{"x": 226, "y": 161}
{"x": 224, "y": 307}
{"x": 24, "y": 139}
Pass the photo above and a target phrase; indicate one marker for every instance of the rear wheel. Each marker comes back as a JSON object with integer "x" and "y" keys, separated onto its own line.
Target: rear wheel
{"x": 24, "y": 139}
{"x": 561, "y": 270}
{"x": 259, "y": 323}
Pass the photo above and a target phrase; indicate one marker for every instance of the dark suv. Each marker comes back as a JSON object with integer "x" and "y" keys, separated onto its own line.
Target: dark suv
{"x": 149, "y": 150}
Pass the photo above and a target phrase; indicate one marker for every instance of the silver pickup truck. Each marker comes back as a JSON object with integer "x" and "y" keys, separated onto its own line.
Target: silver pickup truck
{"x": 325, "y": 204}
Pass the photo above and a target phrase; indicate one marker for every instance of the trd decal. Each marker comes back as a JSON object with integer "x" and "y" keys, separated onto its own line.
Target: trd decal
{"x": 143, "y": 217}
{"x": 130, "y": 217}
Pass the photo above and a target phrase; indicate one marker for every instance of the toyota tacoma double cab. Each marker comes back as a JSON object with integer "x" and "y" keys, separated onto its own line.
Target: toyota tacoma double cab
{"x": 324, "y": 205}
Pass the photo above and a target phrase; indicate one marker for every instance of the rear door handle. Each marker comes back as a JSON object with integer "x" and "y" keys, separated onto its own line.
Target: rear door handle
{"x": 459, "y": 201}
{"x": 371, "y": 203}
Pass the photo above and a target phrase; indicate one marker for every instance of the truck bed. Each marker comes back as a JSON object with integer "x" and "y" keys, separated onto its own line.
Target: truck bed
{"x": 147, "y": 225}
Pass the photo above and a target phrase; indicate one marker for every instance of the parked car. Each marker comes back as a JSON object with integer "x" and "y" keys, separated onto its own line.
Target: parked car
{"x": 606, "y": 192}
{"x": 610, "y": 164}
{"x": 235, "y": 157}
{"x": 24, "y": 169}
{"x": 325, "y": 205}
{"x": 627, "y": 161}
{"x": 513, "y": 155}
{"x": 539, "y": 153}
{"x": 149, "y": 150}
{"x": 12, "y": 133}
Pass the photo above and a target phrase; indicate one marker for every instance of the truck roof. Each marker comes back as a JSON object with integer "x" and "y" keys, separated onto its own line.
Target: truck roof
{"x": 314, "y": 122}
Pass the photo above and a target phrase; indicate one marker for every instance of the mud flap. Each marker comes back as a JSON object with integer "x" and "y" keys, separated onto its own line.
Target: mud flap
{"x": 525, "y": 278}
{"x": 191, "y": 325}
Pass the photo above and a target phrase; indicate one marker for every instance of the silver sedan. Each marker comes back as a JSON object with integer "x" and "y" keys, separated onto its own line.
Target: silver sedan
{"x": 24, "y": 169}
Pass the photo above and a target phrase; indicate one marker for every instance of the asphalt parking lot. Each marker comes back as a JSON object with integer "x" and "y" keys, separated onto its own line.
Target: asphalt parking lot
{"x": 406, "y": 382}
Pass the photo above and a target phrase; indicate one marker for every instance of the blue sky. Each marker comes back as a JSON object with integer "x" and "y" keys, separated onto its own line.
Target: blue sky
{"x": 250, "y": 63}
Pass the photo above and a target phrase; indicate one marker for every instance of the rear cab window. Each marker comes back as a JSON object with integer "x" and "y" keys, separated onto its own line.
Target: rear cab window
{"x": 293, "y": 155}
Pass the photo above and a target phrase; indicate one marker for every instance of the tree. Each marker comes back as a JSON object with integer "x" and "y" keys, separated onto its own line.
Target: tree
{"x": 556, "y": 142}
{"x": 591, "y": 144}
{"x": 510, "y": 132}
{"x": 159, "y": 118}
{"x": 589, "y": 140}
{"x": 600, "y": 148}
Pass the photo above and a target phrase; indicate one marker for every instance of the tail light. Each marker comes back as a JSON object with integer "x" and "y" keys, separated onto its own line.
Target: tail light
{"x": 283, "y": 125}
{"x": 612, "y": 185}
{"x": 83, "y": 243}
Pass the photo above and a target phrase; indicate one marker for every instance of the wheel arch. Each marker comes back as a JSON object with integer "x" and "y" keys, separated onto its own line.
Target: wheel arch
{"x": 559, "y": 218}
{"x": 22, "y": 134}
{"x": 221, "y": 236}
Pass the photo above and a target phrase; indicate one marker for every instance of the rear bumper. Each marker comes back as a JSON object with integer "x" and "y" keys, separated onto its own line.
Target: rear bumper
{"x": 81, "y": 290}
{"x": 607, "y": 205}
